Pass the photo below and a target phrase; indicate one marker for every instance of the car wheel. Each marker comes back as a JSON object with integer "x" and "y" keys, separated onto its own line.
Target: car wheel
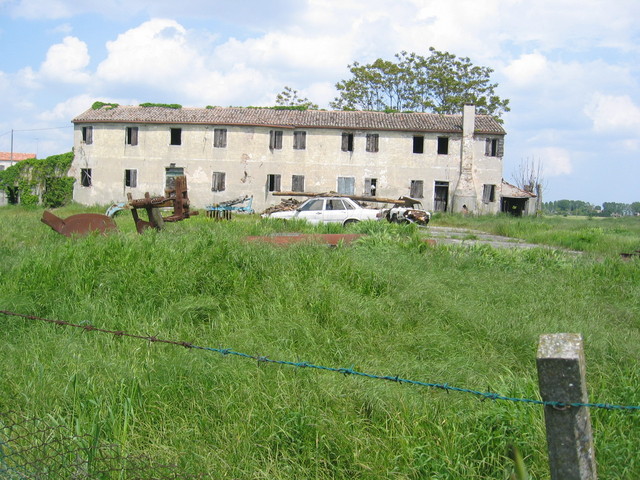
{"x": 350, "y": 221}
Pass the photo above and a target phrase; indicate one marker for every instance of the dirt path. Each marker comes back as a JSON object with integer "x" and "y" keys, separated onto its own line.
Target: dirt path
{"x": 465, "y": 236}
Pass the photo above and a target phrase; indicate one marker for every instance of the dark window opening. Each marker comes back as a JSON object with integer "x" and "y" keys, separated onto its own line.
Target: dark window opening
{"x": 87, "y": 135}
{"x": 347, "y": 142}
{"x": 418, "y": 144}
{"x": 273, "y": 183}
{"x": 372, "y": 142}
{"x": 443, "y": 145}
{"x": 219, "y": 137}
{"x": 370, "y": 186}
{"x": 85, "y": 177}
{"x": 131, "y": 178}
{"x": 218, "y": 181}
{"x": 297, "y": 183}
{"x": 275, "y": 140}
{"x": 170, "y": 176}
{"x": 494, "y": 147}
{"x": 489, "y": 193}
{"x": 132, "y": 136}
{"x": 299, "y": 140}
{"x": 176, "y": 136}
{"x": 417, "y": 189}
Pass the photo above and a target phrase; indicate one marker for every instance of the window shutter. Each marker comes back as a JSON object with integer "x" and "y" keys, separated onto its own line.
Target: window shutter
{"x": 500, "y": 148}
{"x": 367, "y": 186}
{"x": 487, "y": 147}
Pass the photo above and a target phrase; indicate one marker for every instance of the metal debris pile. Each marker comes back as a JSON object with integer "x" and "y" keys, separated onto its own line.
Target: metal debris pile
{"x": 284, "y": 206}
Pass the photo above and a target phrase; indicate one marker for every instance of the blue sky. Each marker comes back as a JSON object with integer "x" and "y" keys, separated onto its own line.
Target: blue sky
{"x": 571, "y": 68}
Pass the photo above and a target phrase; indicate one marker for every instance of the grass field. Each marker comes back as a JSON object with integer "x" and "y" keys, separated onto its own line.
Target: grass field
{"x": 387, "y": 305}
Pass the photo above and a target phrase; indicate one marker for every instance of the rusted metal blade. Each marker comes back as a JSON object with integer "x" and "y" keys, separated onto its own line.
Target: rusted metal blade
{"x": 80, "y": 224}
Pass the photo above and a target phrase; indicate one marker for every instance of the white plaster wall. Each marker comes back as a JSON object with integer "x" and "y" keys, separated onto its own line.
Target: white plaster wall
{"x": 247, "y": 161}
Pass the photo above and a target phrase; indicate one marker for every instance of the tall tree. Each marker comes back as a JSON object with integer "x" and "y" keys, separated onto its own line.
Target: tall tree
{"x": 289, "y": 98}
{"x": 439, "y": 83}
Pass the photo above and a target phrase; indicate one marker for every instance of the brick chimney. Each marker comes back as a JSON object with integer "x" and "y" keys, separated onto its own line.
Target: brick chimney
{"x": 465, "y": 193}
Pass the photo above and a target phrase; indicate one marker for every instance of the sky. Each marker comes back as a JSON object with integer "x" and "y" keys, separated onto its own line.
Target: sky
{"x": 570, "y": 68}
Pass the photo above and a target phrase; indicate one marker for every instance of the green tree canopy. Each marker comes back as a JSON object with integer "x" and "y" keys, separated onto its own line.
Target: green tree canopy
{"x": 439, "y": 83}
{"x": 289, "y": 98}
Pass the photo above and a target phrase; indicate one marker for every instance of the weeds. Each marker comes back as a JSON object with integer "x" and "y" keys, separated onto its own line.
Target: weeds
{"x": 389, "y": 303}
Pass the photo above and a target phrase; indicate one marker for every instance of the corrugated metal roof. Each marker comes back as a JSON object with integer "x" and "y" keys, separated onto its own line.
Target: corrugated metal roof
{"x": 270, "y": 117}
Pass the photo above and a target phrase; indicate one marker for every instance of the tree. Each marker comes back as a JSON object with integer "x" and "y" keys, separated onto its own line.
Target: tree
{"x": 288, "y": 98}
{"x": 530, "y": 178}
{"x": 438, "y": 83}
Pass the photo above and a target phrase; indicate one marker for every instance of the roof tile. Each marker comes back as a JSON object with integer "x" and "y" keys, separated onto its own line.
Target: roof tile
{"x": 270, "y": 117}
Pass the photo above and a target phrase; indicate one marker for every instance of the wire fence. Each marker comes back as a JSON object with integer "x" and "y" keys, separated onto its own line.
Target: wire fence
{"x": 34, "y": 449}
{"x": 343, "y": 371}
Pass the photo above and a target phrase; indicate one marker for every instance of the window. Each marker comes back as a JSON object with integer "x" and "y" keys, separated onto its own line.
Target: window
{"x": 220, "y": 138}
{"x": 346, "y": 185}
{"x": 132, "y": 136}
{"x": 494, "y": 147}
{"x": 275, "y": 140}
{"x": 170, "y": 176}
{"x": 297, "y": 183}
{"x": 131, "y": 178}
{"x": 273, "y": 182}
{"x": 347, "y": 142}
{"x": 417, "y": 189}
{"x": 372, "y": 142}
{"x": 335, "y": 204}
{"x": 176, "y": 136}
{"x": 313, "y": 205}
{"x": 218, "y": 181}
{"x": 443, "y": 145}
{"x": 489, "y": 193}
{"x": 370, "y": 185}
{"x": 87, "y": 135}
{"x": 299, "y": 140}
{"x": 418, "y": 144}
{"x": 85, "y": 177}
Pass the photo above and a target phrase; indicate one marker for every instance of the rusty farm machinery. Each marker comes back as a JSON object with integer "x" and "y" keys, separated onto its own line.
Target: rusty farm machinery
{"x": 84, "y": 223}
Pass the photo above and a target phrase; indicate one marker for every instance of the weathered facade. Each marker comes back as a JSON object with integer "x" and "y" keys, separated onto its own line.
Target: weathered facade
{"x": 451, "y": 162}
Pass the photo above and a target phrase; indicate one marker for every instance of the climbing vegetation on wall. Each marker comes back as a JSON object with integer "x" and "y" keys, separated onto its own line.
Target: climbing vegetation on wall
{"x": 39, "y": 181}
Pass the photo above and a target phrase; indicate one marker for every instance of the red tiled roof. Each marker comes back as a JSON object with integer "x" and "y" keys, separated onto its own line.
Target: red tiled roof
{"x": 16, "y": 157}
{"x": 270, "y": 117}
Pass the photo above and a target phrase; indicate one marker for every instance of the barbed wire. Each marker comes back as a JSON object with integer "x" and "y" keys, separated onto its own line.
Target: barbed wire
{"x": 344, "y": 371}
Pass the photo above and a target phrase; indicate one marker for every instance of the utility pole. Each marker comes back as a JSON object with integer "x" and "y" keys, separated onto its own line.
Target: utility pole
{"x": 11, "y": 154}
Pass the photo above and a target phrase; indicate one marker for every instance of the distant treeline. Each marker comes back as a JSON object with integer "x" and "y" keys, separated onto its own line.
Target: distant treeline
{"x": 578, "y": 207}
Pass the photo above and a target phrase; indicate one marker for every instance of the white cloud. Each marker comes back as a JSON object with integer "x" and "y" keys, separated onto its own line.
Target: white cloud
{"x": 65, "y": 111}
{"x": 66, "y": 61}
{"x": 527, "y": 70}
{"x": 555, "y": 161}
{"x": 613, "y": 113}
{"x": 154, "y": 53}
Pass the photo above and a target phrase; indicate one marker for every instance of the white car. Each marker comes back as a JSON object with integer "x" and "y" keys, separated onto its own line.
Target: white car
{"x": 329, "y": 210}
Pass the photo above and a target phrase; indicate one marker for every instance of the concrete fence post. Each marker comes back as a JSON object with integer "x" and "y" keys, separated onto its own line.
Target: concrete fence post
{"x": 561, "y": 377}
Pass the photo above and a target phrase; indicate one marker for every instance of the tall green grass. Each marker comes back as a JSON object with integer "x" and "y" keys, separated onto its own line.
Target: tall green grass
{"x": 588, "y": 234}
{"x": 388, "y": 304}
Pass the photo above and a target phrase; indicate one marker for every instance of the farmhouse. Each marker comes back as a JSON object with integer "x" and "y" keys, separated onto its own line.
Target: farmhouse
{"x": 451, "y": 162}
